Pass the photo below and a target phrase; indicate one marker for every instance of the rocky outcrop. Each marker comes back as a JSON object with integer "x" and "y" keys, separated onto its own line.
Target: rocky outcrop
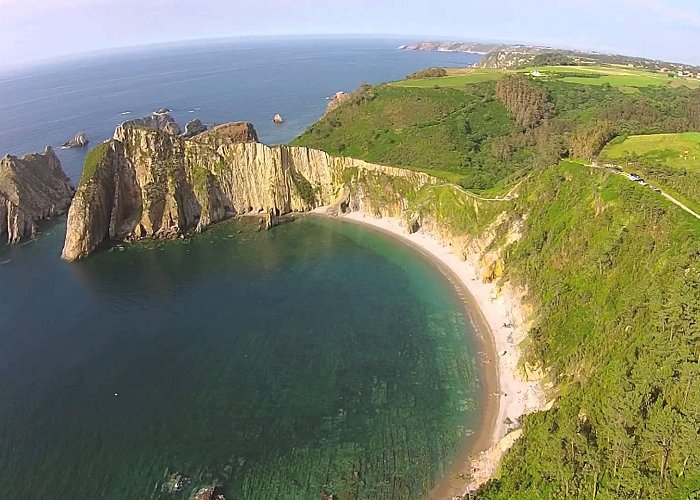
{"x": 32, "y": 188}
{"x": 210, "y": 493}
{"x": 80, "y": 140}
{"x": 229, "y": 133}
{"x": 193, "y": 128}
{"x": 278, "y": 118}
{"x": 338, "y": 99}
{"x": 160, "y": 120}
{"x": 150, "y": 184}
{"x": 469, "y": 48}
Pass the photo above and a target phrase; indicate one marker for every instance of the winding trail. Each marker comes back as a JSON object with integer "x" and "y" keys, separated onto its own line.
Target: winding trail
{"x": 616, "y": 169}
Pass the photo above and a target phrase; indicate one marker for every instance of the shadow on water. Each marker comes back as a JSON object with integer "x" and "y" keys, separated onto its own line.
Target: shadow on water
{"x": 316, "y": 357}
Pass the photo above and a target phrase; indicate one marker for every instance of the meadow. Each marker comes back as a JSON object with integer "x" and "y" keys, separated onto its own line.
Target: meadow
{"x": 621, "y": 77}
{"x": 673, "y": 150}
{"x": 672, "y": 161}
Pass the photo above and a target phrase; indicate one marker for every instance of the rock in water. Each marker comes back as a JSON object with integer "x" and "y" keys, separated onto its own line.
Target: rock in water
{"x": 278, "y": 118}
{"x": 32, "y": 188}
{"x": 193, "y": 128}
{"x": 209, "y": 493}
{"x": 80, "y": 140}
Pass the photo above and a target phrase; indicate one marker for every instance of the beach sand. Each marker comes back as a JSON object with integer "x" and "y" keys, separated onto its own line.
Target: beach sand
{"x": 501, "y": 326}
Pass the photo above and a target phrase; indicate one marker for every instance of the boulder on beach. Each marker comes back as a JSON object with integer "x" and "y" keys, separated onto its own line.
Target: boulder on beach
{"x": 278, "y": 118}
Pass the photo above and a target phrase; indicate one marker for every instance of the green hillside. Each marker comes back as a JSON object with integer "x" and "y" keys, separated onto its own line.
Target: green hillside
{"x": 621, "y": 77}
{"x": 612, "y": 269}
{"x": 486, "y": 135}
{"x": 670, "y": 160}
{"x": 614, "y": 273}
{"x": 681, "y": 151}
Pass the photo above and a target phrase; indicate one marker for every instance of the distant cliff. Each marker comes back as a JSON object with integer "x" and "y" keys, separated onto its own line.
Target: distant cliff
{"x": 32, "y": 188}
{"x": 146, "y": 183}
{"x": 469, "y": 48}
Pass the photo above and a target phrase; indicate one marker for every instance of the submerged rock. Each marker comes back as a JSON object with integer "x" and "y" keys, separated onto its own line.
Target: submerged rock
{"x": 80, "y": 140}
{"x": 177, "y": 482}
{"x": 32, "y": 188}
{"x": 209, "y": 493}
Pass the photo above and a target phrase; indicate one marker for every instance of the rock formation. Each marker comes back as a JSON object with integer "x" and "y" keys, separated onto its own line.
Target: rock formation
{"x": 80, "y": 140}
{"x": 278, "y": 118}
{"x": 148, "y": 183}
{"x": 209, "y": 493}
{"x": 160, "y": 120}
{"x": 32, "y": 188}
{"x": 338, "y": 99}
{"x": 193, "y": 128}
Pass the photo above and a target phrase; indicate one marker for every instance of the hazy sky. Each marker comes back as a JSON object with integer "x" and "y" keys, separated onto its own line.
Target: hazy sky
{"x": 31, "y": 30}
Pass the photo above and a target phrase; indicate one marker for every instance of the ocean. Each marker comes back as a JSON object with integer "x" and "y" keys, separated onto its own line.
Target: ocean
{"x": 317, "y": 358}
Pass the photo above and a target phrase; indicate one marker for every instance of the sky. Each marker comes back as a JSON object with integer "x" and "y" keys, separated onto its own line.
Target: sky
{"x": 32, "y": 31}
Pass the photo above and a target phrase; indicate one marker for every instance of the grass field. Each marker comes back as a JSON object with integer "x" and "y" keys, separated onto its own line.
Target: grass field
{"x": 623, "y": 78}
{"x": 671, "y": 161}
{"x": 454, "y": 80}
{"x": 673, "y": 150}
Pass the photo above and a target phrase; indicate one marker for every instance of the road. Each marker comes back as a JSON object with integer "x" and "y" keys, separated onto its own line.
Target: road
{"x": 661, "y": 191}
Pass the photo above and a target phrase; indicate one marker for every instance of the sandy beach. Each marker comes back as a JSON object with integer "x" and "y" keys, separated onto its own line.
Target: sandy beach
{"x": 501, "y": 326}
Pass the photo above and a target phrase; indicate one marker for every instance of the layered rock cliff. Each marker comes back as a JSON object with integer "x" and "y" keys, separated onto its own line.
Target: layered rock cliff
{"x": 146, "y": 183}
{"x": 32, "y": 188}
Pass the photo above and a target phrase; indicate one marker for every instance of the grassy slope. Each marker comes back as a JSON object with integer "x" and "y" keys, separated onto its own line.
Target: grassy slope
{"x": 453, "y": 81}
{"x": 670, "y": 160}
{"x": 446, "y": 132}
{"x": 616, "y": 76}
{"x": 613, "y": 271}
{"x": 673, "y": 150}
{"x": 611, "y": 267}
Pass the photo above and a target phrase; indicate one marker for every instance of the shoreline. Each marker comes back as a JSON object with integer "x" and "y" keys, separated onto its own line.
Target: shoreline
{"x": 499, "y": 326}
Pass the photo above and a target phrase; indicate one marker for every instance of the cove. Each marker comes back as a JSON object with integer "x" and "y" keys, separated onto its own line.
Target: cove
{"x": 320, "y": 357}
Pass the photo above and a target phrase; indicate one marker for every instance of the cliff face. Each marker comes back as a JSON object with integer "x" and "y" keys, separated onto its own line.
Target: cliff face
{"x": 32, "y": 188}
{"x": 147, "y": 183}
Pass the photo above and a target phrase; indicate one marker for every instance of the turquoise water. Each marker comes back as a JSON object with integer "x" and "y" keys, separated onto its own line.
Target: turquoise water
{"x": 320, "y": 356}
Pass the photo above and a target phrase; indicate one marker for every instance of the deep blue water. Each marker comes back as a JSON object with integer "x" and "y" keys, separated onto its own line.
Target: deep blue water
{"x": 317, "y": 357}
{"x": 249, "y": 80}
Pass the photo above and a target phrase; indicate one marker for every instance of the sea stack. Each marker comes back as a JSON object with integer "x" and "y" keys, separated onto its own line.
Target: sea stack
{"x": 80, "y": 140}
{"x": 32, "y": 188}
{"x": 278, "y": 118}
